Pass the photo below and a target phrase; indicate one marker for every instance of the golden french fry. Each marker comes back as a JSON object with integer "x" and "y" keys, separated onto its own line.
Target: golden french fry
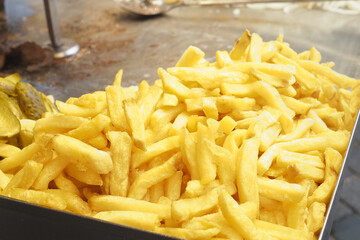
{"x": 223, "y": 59}
{"x": 114, "y": 97}
{"x": 134, "y": 219}
{"x": 173, "y": 186}
{"x": 117, "y": 203}
{"x": 121, "y": 154}
{"x": 74, "y": 110}
{"x": 90, "y": 129}
{"x": 66, "y": 184}
{"x": 76, "y": 150}
{"x": 99, "y": 141}
{"x": 87, "y": 176}
{"x": 239, "y": 49}
{"x": 155, "y": 175}
{"x": 19, "y": 158}
{"x": 316, "y": 216}
{"x": 38, "y": 197}
{"x": 246, "y": 173}
{"x": 50, "y": 171}
{"x": 280, "y": 190}
{"x": 118, "y": 78}
{"x": 302, "y": 127}
{"x": 286, "y": 158}
{"x": 191, "y": 56}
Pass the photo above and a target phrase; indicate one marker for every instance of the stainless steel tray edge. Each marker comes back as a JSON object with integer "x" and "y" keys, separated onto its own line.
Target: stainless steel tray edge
{"x": 326, "y": 230}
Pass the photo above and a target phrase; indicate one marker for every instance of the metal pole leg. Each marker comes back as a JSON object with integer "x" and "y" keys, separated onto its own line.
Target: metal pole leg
{"x": 62, "y": 47}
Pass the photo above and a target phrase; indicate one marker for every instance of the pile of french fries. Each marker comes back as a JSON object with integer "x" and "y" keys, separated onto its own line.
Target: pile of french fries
{"x": 247, "y": 147}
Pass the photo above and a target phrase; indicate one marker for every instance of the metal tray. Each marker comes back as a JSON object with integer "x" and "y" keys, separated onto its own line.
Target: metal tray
{"x": 20, "y": 220}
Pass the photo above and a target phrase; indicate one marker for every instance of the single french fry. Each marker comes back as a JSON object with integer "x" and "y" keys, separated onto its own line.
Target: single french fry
{"x": 254, "y": 54}
{"x": 246, "y": 173}
{"x": 184, "y": 209}
{"x": 172, "y": 85}
{"x": 135, "y": 123}
{"x": 168, "y": 144}
{"x": 163, "y": 116}
{"x": 297, "y": 106}
{"x": 282, "y": 232}
{"x": 121, "y": 154}
{"x": 114, "y": 97}
{"x": 155, "y": 175}
{"x": 223, "y": 59}
{"x": 191, "y": 56}
{"x": 188, "y": 152}
{"x": 74, "y": 203}
{"x": 130, "y": 218}
{"x": 74, "y": 110}
{"x": 207, "y": 168}
{"x": 238, "y": 51}
{"x": 76, "y": 150}
{"x": 173, "y": 186}
{"x": 118, "y": 78}
{"x": 302, "y": 127}
{"x": 63, "y": 183}
{"x": 316, "y": 216}
{"x": 286, "y": 158}
{"x": 87, "y": 176}
{"x": 117, "y": 203}
{"x": 269, "y": 136}
{"x": 19, "y": 158}
{"x": 90, "y": 129}
{"x": 147, "y": 106}
{"x": 50, "y": 171}
{"x": 58, "y": 123}
{"x": 99, "y": 141}
{"x": 280, "y": 190}
{"x": 169, "y": 100}
{"x": 235, "y": 216}
{"x": 38, "y": 197}
{"x": 186, "y": 233}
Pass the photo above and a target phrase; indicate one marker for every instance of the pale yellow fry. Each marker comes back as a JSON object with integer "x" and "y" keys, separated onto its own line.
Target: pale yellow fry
{"x": 87, "y": 176}
{"x": 269, "y": 136}
{"x": 279, "y": 70}
{"x": 227, "y": 124}
{"x": 163, "y": 116}
{"x": 297, "y": 106}
{"x": 74, "y": 203}
{"x": 76, "y": 150}
{"x": 50, "y": 171}
{"x": 286, "y": 158}
{"x": 226, "y": 104}
{"x": 280, "y": 190}
{"x": 173, "y": 186}
{"x": 99, "y": 141}
{"x": 188, "y": 152}
{"x": 254, "y": 54}
{"x": 223, "y": 161}
{"x": 288, "y": 91}
{"x": 173, "y": 85}
{"x": 316, "y": 216}
{"x": 315, "y": 55}
{"x": 282, "y": 232}
{"x": 7, "y": 150}
{"x": 147, "y": 106}
{"x": 191, "y": 57}
{"x": 185, "y": 233}
{"x": 121, "y": 154}
{"x": 19, "y": 158}
{"x": 74, "y": 110}
{"x": 144, "y": 88}
{"x": 239, "y": 49}
{"x": 232, "y": 143}
{"x": 324, "y": 192}
{"x": 118, "y": 78}
{"x": 38, "y": 197}
{"x": 184, "y": 209}
{"x": 25, "y": 177}
{"x": 155, "y": 192}
{"x": 209, "y": 107}
{"x": 284, "y": 49}
{"x": 58, "y": 123}
{"x": 305, "y": 55}
{"x": 300, "y": 171}
{"x": 4, "y": 180}
{"x": 246, "y": 173}
{"x": 319, "y": 126}
{"x": 169, "y": 100}
{"x": 302, "y": 127}
{"x": 223, "y": 59}
{"x": 267, "y": 92}
{"x": 141, "y": 220}
{"x": 205, "y": 164}
{"x": 90, "y": 129}
{"x": 262, "y": 122}
{"x": 318, "y": 142}
{"x": 66, "y": 184}
{"x": 135, "y": 122}
{"x": 308, "y": 82}
{"x": 140, "y": 157}
{"x": 236, "y": 217}
{"x": 333, "y": 160}
{"x": 153, "y": 176}
{"x": 337, "y": 78}
{"x": 114, "y": 97}
{"x": 117, "y": 203}
{"x": 274, "y": 81}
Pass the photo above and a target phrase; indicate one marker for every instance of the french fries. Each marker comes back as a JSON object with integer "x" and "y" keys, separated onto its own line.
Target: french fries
{"x": 247, "y": 147}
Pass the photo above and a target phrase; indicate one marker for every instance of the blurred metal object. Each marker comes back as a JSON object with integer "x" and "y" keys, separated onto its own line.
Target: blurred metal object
{"x": 157, "y": 7}
{"x": 62, "y": 47}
